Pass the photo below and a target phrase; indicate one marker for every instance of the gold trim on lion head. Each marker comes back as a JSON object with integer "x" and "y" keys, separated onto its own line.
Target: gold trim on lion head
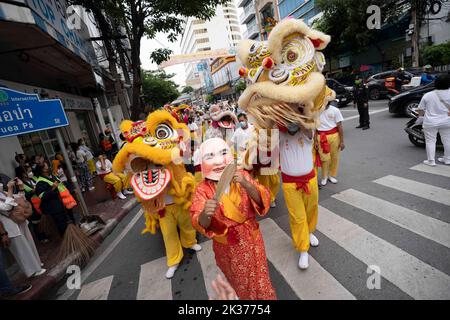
{"x": 284, "y": 76}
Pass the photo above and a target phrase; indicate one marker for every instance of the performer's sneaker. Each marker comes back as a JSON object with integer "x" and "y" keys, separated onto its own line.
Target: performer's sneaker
{"x": 332, "y": 180}
{"x": 171, "y": 271}
{"x": 323, "y": 182}
{"x": 313, "y": 241}
{"x": 303, "y": 261}
{"x": 273, "y": 205}
{"x": 127, "y": 192}
{"x": 430, "y": 163}
{"x": 120, "y": 195}
{"x": 443, "y": 160}
{"x": 196, "y": 247}
{"x": 39, "y": 273}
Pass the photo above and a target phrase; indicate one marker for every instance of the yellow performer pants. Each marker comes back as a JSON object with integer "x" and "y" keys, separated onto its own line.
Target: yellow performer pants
{"x": 118, "y": 180}
{"x": 272, "y": 182}
{"x": 91, "y": 166}
{"x": 175, "y": 216}
{"x": 330, "y": 161}
{"x": 303, "y": 212}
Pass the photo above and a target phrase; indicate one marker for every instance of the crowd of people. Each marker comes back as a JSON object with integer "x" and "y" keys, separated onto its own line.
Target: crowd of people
{"x": 41, "y": 187}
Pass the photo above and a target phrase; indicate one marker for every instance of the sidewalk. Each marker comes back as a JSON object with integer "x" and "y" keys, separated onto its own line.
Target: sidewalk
{"x": 100, "y": 203}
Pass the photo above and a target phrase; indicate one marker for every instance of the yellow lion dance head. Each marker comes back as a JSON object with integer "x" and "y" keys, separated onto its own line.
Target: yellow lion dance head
{"x": 284, "y": 80}
{"x": 154, "y": 156}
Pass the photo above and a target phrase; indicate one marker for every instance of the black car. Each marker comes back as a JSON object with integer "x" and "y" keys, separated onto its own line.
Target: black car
{"x": 406, "y": 101}
{"x": 375, "y": 83}
{"x": 343, "y": 95}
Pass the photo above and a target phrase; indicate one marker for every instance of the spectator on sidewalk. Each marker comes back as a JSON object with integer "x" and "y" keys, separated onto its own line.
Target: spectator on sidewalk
{"x": 22, "y": 244}
{"x": 51, "y": 203}
{"x": 90, "y": 157}
{"x": 86, "y": 182}
{"x": 435, "y": 109}
{"x": 6, "y": 288}
{"x": 21, "y": 160}
{"x": 118, "y": 180}
{"x": 106, "y": 145}
{"x": 29, "y": 184}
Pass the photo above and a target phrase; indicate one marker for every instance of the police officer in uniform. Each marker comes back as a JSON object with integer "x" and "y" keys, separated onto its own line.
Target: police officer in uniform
{"x": 361, "y": 100}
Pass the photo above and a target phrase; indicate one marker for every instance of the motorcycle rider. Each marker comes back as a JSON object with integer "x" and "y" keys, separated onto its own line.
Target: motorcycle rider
{"x": 361, "y": 100}
{"x": 401, "y": 78}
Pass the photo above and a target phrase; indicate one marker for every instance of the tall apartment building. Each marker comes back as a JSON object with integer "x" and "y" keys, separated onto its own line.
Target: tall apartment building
{"x": 258, "y": 16}
{"x": 299, "y": 9}
{"x": 221, "y": 32}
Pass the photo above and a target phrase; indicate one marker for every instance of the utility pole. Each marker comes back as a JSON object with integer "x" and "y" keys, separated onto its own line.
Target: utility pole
{"x": 416, "y": 34}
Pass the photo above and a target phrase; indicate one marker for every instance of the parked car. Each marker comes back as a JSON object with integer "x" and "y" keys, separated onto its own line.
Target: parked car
{"x": 406, "y": 102}
{"x": 376, "y": 83}
{"x": 343, "y": 94}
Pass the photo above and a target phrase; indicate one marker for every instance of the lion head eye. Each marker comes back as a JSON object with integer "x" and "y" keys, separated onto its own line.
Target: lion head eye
{"x": 163, "y": 132}
{"x": 292, "y": 55}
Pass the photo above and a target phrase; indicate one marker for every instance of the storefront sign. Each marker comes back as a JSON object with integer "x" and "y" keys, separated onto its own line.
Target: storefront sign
{"x": 23, "y": 113}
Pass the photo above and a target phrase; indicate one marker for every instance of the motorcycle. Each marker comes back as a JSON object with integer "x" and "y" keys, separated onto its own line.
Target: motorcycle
{"x": 415, "y": 131}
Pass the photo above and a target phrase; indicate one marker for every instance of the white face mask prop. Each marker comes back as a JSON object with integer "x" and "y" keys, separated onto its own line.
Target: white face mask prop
{"x": 215, "y": 156}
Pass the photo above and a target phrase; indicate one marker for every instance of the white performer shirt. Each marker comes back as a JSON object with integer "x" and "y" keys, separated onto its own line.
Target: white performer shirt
{"x": 108, "y": 167}
{"x": 329, "y": 118}
{"x": 241, "y": 137}
{"x": 296, "y": 154}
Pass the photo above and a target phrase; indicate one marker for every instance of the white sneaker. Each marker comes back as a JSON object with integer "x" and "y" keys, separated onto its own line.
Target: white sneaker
{"x": 196, "y": 247}
{"x": 273, "y": 205}
{"x": 171, "y": 271}
{"x": 303, "y": 261}
{"x": 430, "y": 163}
{"x": 323, "y": 182}
{"x": 91, "y": 188}
{"x": 39, "y": 273}
{"x": 313, "y": 241}
{"x": 127, "y": 192}
{"x": 443, "y": 160}
{"x": 333, "y": 180}
{"x": 120, "y": 195}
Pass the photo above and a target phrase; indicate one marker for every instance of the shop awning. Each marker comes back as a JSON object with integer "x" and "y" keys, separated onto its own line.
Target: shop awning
{"x": 221, "y": 89}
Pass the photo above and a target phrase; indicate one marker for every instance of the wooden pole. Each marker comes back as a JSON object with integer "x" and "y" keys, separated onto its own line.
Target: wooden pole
{"x": 73, "y": 178}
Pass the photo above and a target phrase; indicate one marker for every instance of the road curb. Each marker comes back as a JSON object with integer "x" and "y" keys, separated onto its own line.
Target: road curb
{"x": 44, "y": 283}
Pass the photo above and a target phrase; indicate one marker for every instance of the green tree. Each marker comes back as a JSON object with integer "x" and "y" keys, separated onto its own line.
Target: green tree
{"x": 240, "y": 86}
{"x": 346, "y": 22}
{"x": 209, "y": 98}
{"x": 437, "y": 55}
{"x": 148, "y": 18}
{"x": 187, "y": 89}
{"x": 158, "y": 88}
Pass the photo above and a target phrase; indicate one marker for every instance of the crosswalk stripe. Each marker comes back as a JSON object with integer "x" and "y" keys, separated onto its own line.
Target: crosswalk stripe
{"x": 441, "y": 170}
{"x": 425, "y": 226}
{"x": 411, "y": 275}
{"x": 96, "y": 290}
{"x": 418, "y": 189}
{"x": 208, "y": 265}
{"x": 153, "y": 284}
{"x": 315, "y": 282}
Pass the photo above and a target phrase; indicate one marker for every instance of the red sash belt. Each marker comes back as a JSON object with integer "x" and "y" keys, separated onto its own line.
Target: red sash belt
{"x": 301, "y": 182}
{"x": 318, "y": 162}
{"x": 323, "y": 139}
{"x": 198, "y": 168}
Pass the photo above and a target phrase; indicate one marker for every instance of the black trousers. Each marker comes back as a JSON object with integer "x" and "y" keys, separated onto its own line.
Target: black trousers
{"x": 363, "y": 114}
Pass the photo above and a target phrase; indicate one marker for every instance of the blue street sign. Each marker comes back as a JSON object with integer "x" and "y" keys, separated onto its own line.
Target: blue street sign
{"x": 23, "y": 113}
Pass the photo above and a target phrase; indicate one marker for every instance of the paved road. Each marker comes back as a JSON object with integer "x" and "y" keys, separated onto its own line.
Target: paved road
{"x": 388, "y": 211}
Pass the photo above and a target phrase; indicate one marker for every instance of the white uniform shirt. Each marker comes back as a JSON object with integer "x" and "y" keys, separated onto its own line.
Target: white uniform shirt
{"x": 192, "y": 126}
{"x": 81, "y": 156}
{"x": 88, "y": 152}
{"x": 436, "y": 113}
{"x": 329, "y": 118}
{"x": 108, "y": 167}
{"x": 241, "y": 137}
{"x": 296, "y": 155}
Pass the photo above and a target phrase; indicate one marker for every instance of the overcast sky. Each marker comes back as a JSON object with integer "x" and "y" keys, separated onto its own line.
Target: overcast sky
{"x": 147, "y": 46}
